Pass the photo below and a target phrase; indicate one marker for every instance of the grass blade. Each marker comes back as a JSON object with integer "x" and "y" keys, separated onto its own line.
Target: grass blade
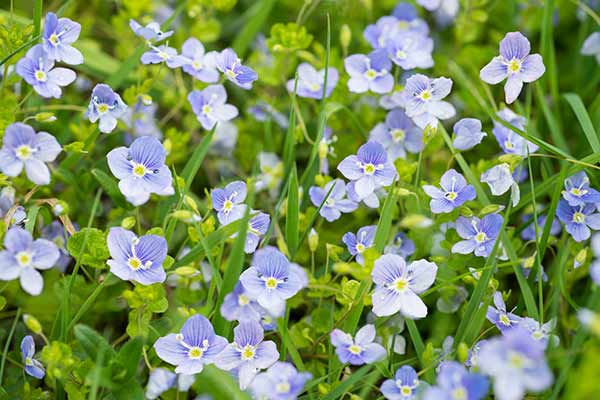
{"x": 292, "y": 218}
{"x": 584, "y": 120}
{"x": 110, "y": 187}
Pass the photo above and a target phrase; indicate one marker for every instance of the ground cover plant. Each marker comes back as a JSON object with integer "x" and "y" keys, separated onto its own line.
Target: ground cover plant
{"x": 281, "y": 199}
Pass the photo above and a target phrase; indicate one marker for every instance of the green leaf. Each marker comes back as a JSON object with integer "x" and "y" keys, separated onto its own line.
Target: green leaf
{"x": 95, "y": 253}
{"x": 584, "y": 120}
{"x": 111, "y": 188}
{"x": 130, "y": 355}
{"x": 255, "y": 18}
{"x": 347, "y": 384}
{"x": 292, "y": 219}
{"x": 92, "y": 343}
{"x": 193, "y": 165}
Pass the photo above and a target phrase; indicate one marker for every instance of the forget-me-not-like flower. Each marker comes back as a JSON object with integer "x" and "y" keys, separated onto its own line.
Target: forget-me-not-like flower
{"x": 38, "y": 71}
{"x": 281, "y": 381}
{"x": 59, "y": 34}
{"x": 454, "y": 192}
{"x": 310, "y": 81}
{"x": 516, "y": 363}
{"x": 195, "y": 346}
{"x": 510, "y": 141}
{"x": 229, "y": 202}
{"x": 369, "y": 72}
{"x": 210, "y": 106}
{"x": 105, "y": 105}
{"x": 161, "y": 380}
{"x": 336, "y": 203}
{"x": 403, "y": 20}
{"x": 514, "y": 64}
{"x": 410, "y": 50}
{"x": 480, "y": 234}
{"x": 529, "y": 232}
{"x": 200, "y": 65}
{"x": 22, "y": 257}
{"x": 578, "y": 191}
{"x": 539, "y": 331}
{"x": 257, "y": 227}
{"x": 500, "y": 180}
{"x": 248, "y": 354}
{"x": 423, "y": 100}
{"x": 141, "y": 170}
{"x": 7, "y": 201}
{"x": 231, "y": 66}
{"x": 499, "y": 316}
{"x": 32, "y": 366}
{"x": 238, "y": 306}
{"x": 404, "y": 386}
{"x": 23, "y": 147}
{"x": 368, "y": 170}
{"x": 398, "y": 135}
{"x": 272, "y": 279}
{"x": 402, "y": 245}
{"x": 467, "y": 133}
{"x": 151, "y": 32}
{"x": 358, "y": 350}
{"x": 357, "y": 244}
{"x": 163, "y": 54}
{"x": 578, "y": 219}
{"x": 136, "y": 259}
{"x": 455, "y": 382}
{"x": 591, "y": 46}
{"x": 397, "y": 286}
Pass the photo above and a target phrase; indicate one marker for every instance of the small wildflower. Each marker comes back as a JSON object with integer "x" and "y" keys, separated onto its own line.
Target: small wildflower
{"x": 468, "y": 134}
{"x": 310, "y": 82}
{"x": 498, "y": 315}
{"x": 454, "y": 193}
{"x": 357, "y": 244}
{"x": 32, "y": 366}
{"x": 210, "y": 106}
{"x": 404, "y": 386}
{"x": 38, "y": 71}
{"x": 336, "y": 203}
{"x": 480, "y": 234}
{"x": 59, "y": 34}
{"x": 106, "y": 105}
{"x": 358, "y": 350}
{"x": 231, "y": 66}
{"x": 369, "y": 72}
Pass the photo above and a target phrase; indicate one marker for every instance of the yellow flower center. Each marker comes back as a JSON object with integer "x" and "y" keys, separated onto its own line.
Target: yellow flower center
{"x": 53, "y": 39}
{"x": 247, "y": 353}
{"x": 243, "y": 300}
{"x": 459, "y": 394}
{"x": 24, "y": 258}
{"x": 227, "y": 205}
{"x": 578, "y": 192}
{"x": 371, "y": 73}
{"x": 354, "y": 349}
{"x": 360, "y": 247}
{"x": 24, "y": 152}
{"x": 195, "y": 353}
{"x": 28, "y": 361}
{"x": 139, "y": 170}
{"x": 134, "y": 263}
{"x": 271, "y": 283}
{"x": 196, "y": 64}
{"x": 282, "y": 387}
{"x": 405, "y": 391}
{"x": 398, "y": 135}
{"x": 230, "y": 73}
{"x": 481, "y": 237}
{"x": 516, "y": 360}
{"x": 579, "y": 217}
{"x": 504, "y": 320}
{"x": 206, "y": 109}
{"x": 163, "y": 55}
{"x": 451, "y": 196}
{"x": 509, "y": 145}
{"x": 369, "y": 169}
{"x": 400, "y": 284}
{"x": 514, "y": 65}
{"x": 400, "y": 54}
{"x": 330, "y": 202}
{"x": 40, "y": 75}
{"x": 425, "y": 95}
{"x": 102, "y": 108}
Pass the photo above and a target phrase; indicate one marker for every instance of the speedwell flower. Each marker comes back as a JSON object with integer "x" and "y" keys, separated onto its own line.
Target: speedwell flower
{"x": 404, "y": 20}
{"x": 410, "y": 50}
{"x": 454, "y": 381}
{"x": 358, "y": 350}
{"x": 468, "y": 133}
{"x": 529, "y": 232}
{"x": 210, "y": 106}
{"x": 357, "y": 244}
{"x": 500, "y": 180}
{"x": 509, "y": 140}
{"x": 106, "y": 105}
{"x": 257, "y": 227}
{"x": 56, "y": 233}
{"x": 200, "y": 65}
{"x": 404, "y": 386}
{"x": 163, "y": 54}
{"x": 136, "y": 259}
{"x": 398, "y": 135}
{"x": 480, "y": 234}
{"x": 579, "y": 219}
{"x": 23, "y": 256}
{"x": 336, "y": 203}
{"x": 150, "y": 32}
{"x": 578, "y": 191}
{"x": 231, "y": 66}
{"x": 229, "y": 202}
{"x": 141, "y": 170}
{"x": 194, "y": 347}
{"x": 514, "y": 64}
{"x": 23, "y": 147}
{"x": 454, "y": 193}
{"x": 58, "y": 35}
{"x": 397, "y": 286}
{"x": 32, "y": 366}
{"x": 402, "y": 245}
{"x": 369, "y": 72}
{"x": 423, "y": 100}
{"x": 237, "y": 306}
{"x": 310, "y": 81}
{"x": 38, "y": 71}
{"x": 248, "y": 353}
{"x": 591, "y": 46}
{"x": 498, "y": 315}
{"x": 280, "y": 382}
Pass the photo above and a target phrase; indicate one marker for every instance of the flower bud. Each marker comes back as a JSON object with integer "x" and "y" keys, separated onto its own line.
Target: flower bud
{"x": 128, "y": 223}
{"x": 345, "y": 36}
{"x": 463, "y": 352}
{"x": 32, "y": 324}
{"x": 313, "y": 240}
{"x": 45, "y": 117}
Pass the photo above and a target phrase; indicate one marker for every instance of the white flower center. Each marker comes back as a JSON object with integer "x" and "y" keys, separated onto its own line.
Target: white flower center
{"x": 398, "y": 135}
{"x": 227, "y": 205}
{"x": 459, "y": 394}
{"x": 405, "y": 390}
{"x": 24, "y": 258}
{"x": 481, "y": 237}
{"x": 355, "y": 349}
{"x": 195, "y": 353}
{"x": 371, "y": 74}
{"x": 504, "y": 320}
{"x": 40, "y": 75}
{"x": 271, "y": 283}
{"x": 282, "y": 387}
{"x": 451, "y": 196}
{"x": 139, "y": 170}
{"x": 54, "y": 39}
{"x": 231, "y": 73}
{"x": 330, "y": 202}
{"x": 578, "y": 192}
{"x": 400, "y": 285}
{"x": 247, "y": 352}
{"x": 514, "y": 66}
{"x": 579, "y": 217}
{"x": 24, "y": 152}
{"x": 102, "y": 108}
{"x": 360, "y": 247}
{"x": 196, "y": 64}
{"x": 369, "y": 169}
{"x": 425, "y": 95}
{"x": 401, "y": 55}
{"x": 206, "y": 109}
{"x": 243, "y": 300}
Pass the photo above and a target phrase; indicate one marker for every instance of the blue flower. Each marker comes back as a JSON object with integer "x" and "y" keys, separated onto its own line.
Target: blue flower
{"x": 136, "y": 259}
{"x": 310, "y": 81}
{"x": 336, "y": 203}
{"x": 32, "y": 366}
{"x": 358, "y": 350}
{"x": 540, "y": 332}
{"x": 498, "y": 315}
{"x": 272, "y": 279}
{"x": 467, "y": 133}
{"x": 578, "y": 191}
{"x": 7, "y": 201}
{"x": 529, "y": 232}
{"x": 210, "y": 106}
{"x": 454, "y": 381}
{"x": 150, "y": 32}
{"x": 229, "y": 202}
{"x": 141, "y": 120}
{"x": 368, "y": 170}
{"x": 579, "y": 219}
{"x": 510, "y": 141}
{"x": 248, "y": 353}
{"x": 237, "y": 306}
{"x": 280, "y": 382}
{"x": 423, "y": 100}
{"x": 106, "y": 106}
{"x": 404, "y": 20}
{"x": 397, "y": 286}
{"x": 404, "y": 386}
{"x": 500, "y": 180}
{"x": 357, "y": 244}
{"x": 398, "y": 135}
{"x": 591, "y": 46}
{"x": 402, "y": 245}
{"x": 514, "y": 64}
{"x": 231, "y": 66}
{"x": 163, "y": 54}
{"x": 410, "y": 50}
{"x": 369, "y": 72}
{"x": 516, "y": 363}
{"x": 56, "y": 233}
{"x": 193, "y": 348}
{"x": 38, "y": 71}
{"x": 200, "y": 65}
{"x": 58, "y": 35}
{"x": 262, "y": 111}
{"x": 454, "y": 193}
{"x": 326, "y": 149}
{"x": 23, "y": 256}
{"x": 480, "y": 234}
{"x": 141, "y": 170}
{"x": 23, "y": 147}
{"x": 257, "y": 227}
{"x": 159, "y": 381}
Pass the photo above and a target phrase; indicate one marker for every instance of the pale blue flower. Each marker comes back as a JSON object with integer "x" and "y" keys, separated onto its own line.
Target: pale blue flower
{"x": 454, "y": 192}
{"x": 358, "y": 350}
{"x": 357, "y": 244}
{"x": 229, "y": 202}
{"x": 591, "y": 46}
{"x": 498, "y": 315}
{"x": 280, "y": 382}
{"x": 231, "y": 66}
{"x": 578, "y": 191}
{"x": 410, "y": 50}
{"x": 510, "y": 141}
{"x": 200, "y": 65}
{"x": 578, "y": 220}
{"x": 454, "y": 382}
{"x": 210, "y": 106}
{"x": 500, "y": 180}
{"x": 58, "y": 35}
{"x": 398, "y": 135}
{"x": 38, "y": 71}
{"x": 105, "y": 105}
{"x": 32, "y": 366}
{"x": 150, "y": 32}
{"x": 336, "y": 203}
{"x": 369, "y": 72}
{"x": 423, "y": 100}
{"x": 480, "y": 234}
{"x": 468, "y": 133}
{"x": 310, "y": 81}
{"x": 404, "y": 386}
{"x": 163, "y": 54}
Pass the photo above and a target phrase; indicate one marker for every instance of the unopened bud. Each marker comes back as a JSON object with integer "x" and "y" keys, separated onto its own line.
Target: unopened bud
{"x": 463, "y": 352}
{"x": 32, "y": 324}
{"x": 128, "y": 223}
{"x": 45, "y": 117}
{"x": 313, "y": 240}
{"x": 345, "y": 36}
